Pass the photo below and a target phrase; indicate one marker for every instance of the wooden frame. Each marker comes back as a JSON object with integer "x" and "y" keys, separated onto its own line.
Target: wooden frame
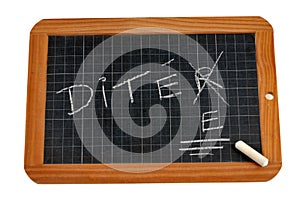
{"x": 190, "y": 172}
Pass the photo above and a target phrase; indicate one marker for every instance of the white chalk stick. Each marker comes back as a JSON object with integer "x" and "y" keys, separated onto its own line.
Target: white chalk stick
{"x": 251, "y": 153}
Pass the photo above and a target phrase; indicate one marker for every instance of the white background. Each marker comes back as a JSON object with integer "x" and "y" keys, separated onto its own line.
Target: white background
{"x": 17, "y": 19}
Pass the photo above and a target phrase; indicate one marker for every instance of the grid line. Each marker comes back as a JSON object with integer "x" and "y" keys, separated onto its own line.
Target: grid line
{"x": 237, "y": 67}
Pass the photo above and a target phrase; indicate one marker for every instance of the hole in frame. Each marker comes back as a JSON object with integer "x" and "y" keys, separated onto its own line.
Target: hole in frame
{"x": 269, "y": 96}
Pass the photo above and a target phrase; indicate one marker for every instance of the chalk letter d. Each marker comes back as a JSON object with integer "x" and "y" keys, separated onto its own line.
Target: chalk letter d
{"x": 71, "y": 99}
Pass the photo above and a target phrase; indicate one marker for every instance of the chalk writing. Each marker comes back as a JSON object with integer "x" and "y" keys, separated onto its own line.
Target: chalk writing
{"x": 200, "y": 141}
{"x": 166, "y": 86}
{"x": 167, "y": 63}
{"x": 201, "y": 148}
{"x": 103, "y": 79}
{"x": 208, "y": 120}
{"x": 128, "y": 82}
{"x": 205, "y": 140}
{"x": 201, "y": 74}
{"x": 205, "y": 77}
{"x": 71, "y": 99}
{"x": 200, "y": 154}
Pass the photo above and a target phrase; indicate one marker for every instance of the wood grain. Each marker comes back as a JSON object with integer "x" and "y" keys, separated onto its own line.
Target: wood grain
{"x": 184, "y": 25}
{"x": 269, "y": 117}
{"x": 36, "y": 100}
{"x": 176, "y": 172}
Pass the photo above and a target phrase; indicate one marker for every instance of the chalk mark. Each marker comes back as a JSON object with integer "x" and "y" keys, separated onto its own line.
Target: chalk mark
{"x": 131, "y": 79}
{"x": 167, "y": 86}
{"x": 128, "y": 82}
{"x": 199, "y": 154}
{"x": 201, "y": 148}
{"x": 208, "y": 120}
{"x": 103, "y": 79}
{"x": 168, "y": 62}
{"x": 205, "y": 140}
{"x": 71, "y": 99}
{"x": 205, "y": 78}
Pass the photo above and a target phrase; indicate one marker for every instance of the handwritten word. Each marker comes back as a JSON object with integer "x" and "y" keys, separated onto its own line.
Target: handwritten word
{"x": 199, "y": 76}
{"x": 128, "y": 82}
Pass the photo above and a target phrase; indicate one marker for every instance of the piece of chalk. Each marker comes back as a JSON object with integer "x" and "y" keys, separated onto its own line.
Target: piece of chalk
{"x": 251, "y": 153}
